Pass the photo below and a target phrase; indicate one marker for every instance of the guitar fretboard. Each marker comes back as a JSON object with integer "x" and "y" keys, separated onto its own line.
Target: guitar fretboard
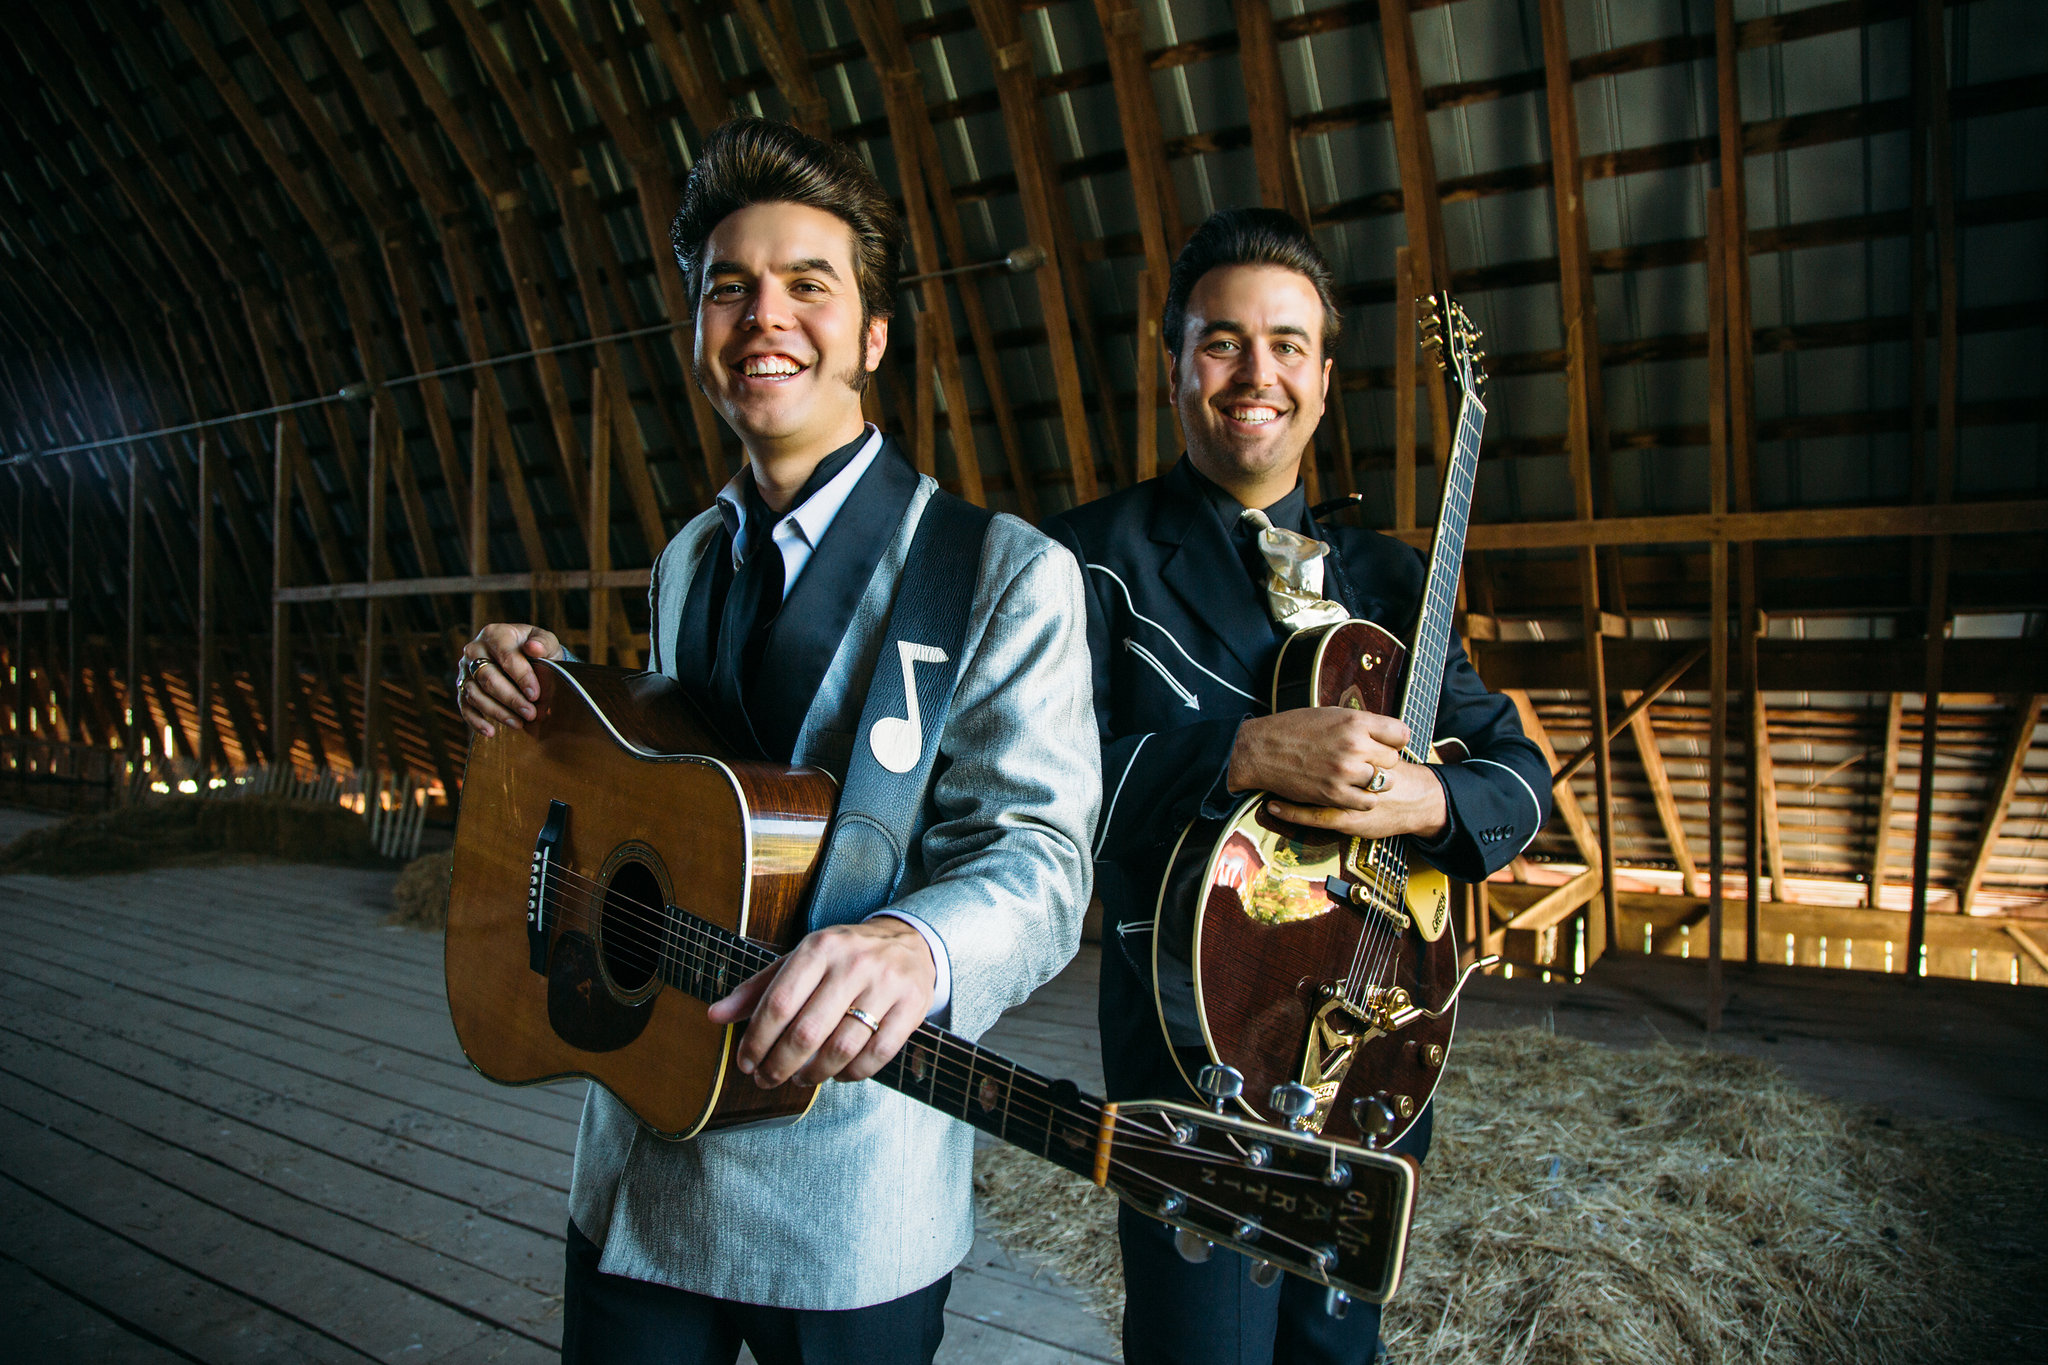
{"x": 1424, "y": 685}
{"x": 1046, "y": 1117}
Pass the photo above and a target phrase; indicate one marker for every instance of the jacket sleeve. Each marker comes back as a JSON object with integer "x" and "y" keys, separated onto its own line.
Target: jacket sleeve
{"x": 1498, "y": 793}
{"x": 1153, "y": 782}
{"x": 1015, "y": 798}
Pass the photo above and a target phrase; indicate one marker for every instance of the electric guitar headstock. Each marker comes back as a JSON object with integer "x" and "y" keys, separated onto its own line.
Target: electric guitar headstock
{"x": 1327, "y": 1211}
{"x": 1451, "y": 340}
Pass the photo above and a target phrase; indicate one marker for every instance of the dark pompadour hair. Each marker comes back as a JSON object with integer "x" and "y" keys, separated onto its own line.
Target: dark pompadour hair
{"x": 1248, "y": 237}
{"x": 757, "y": 161}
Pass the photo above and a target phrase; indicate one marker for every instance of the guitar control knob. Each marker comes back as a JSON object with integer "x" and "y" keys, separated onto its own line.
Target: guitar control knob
{"x": 1296, "y": 1103}
{"x": 1374, "y": 1118}
{"x": 1336, "y": 1303}
{"x": 1219, "y": 1084}
{"x": 1265, "y": 1274}
{"x": 1192, "y": 1246}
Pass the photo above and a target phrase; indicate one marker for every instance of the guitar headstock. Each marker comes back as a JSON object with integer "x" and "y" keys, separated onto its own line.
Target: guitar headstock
{"x": 1452, "y": 341}
{"x": 1324, "y": 1210}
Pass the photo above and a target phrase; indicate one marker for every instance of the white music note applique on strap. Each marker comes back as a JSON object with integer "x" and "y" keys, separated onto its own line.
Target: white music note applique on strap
{"x": 898, "y": 741}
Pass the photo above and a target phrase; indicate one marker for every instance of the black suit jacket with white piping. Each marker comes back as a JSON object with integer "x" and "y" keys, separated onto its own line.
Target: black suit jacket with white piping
{"x": 1183, "y": 652}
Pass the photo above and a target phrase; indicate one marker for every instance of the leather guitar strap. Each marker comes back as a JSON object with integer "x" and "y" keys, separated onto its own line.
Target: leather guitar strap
{"x": 882, "y": 805}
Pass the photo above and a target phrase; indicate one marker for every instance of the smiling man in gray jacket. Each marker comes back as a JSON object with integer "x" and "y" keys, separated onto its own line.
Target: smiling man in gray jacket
{"x": 832, "y": 1239}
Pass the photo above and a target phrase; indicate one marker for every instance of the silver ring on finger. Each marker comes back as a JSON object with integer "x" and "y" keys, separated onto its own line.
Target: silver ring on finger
{"x": 861, "y": 1016}
{"x": 1379, "y": 780}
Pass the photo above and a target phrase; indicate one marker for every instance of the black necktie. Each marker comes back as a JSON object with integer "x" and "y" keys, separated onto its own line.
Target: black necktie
{"x": 751, "y": 605}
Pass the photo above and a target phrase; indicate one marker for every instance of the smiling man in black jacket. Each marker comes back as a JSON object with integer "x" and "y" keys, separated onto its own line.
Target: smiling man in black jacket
{"x": 1183, "y": 636}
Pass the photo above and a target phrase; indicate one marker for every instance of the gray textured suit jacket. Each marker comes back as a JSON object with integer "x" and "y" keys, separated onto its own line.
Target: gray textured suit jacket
{"x": 869, "y": 1196}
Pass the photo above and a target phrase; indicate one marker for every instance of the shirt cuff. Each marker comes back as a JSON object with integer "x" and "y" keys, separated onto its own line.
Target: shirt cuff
{"x": 942, "y": 964}
{"x": 1218, "y": 800}
{"x": 1443, "y": 841}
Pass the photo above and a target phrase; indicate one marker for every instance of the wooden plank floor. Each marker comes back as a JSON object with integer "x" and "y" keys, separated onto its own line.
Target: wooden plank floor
{"x": 235, "y": 1126}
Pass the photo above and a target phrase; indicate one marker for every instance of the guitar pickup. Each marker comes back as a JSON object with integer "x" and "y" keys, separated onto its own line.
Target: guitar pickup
{"x": 537, "y": 886}
{"x": 1360, "y": 897}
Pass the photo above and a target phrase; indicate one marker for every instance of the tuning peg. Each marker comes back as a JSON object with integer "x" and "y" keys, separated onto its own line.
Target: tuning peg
{"x": 1192, "y": 1246}
{"x": 1265, "y": 1274}
{"x": 1336, "y": 1303}
{"x": 1296, "y": 1103}
{"x": 1220, "y": 1084}
{"x": 1374, "y": 1118}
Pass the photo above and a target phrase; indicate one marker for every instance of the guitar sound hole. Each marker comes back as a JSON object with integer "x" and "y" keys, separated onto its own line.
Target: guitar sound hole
{"x": 631, "y": 926}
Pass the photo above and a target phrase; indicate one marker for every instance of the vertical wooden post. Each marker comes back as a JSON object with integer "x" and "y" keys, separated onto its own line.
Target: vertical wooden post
{"x": 1151, "y": 299}
{"x": 1741, "y": 380}
{"x": 1405, "y": 289}
{"x": 17, "y": 658}
{"x": 282, "y": 670}
{"x": 1934, "y": 49}
{"x": 1587, "y": 421}
{"x": 373, "y": 607}
{"x": 1421, "y": 204}
{"x": 1017, "y": 89}
{"x": 924, "y": 436}
{"x": 202, "y": 690}
{"x": 71, "y": 719}
{"x": 600, "y": 517}
{"x": 1887, "y": 784}
{"x": 136, "y": 716}
{"x": 1123, "y": 32}
{"x": 1717, "y": 624}
{"x": 480, "y": 437}
{"x": 1601, "y": 928}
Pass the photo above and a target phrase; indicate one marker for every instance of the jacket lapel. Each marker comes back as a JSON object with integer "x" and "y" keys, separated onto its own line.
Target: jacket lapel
{"x": 1202, "y": 569}
{"x": 819, "y": 608}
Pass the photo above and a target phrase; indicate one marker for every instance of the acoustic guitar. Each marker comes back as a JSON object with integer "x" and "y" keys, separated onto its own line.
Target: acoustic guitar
{"x": 1315, "y": 960}
{"x": 616, "y": 867}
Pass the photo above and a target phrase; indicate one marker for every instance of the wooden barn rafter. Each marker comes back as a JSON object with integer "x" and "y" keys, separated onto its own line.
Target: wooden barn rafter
{"x": 1767, "y": 465}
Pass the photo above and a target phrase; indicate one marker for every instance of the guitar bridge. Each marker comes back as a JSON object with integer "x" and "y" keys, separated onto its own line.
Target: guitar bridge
{"x": 537, "y": 885}
{"x": 1360, "y": 897}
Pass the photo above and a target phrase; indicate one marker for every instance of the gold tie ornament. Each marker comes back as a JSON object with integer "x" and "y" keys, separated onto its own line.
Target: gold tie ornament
{"x": 1294, "y": 578}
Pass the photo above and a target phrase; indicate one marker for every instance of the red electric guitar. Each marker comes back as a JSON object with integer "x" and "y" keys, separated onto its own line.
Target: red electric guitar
{"x": 1312, "y": 961}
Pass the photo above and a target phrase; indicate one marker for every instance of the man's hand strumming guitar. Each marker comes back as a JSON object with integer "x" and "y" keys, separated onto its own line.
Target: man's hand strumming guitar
{"x": 1321, "y": 763}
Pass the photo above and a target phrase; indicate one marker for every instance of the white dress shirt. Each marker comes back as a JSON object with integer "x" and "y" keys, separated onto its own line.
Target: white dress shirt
{"x": 797, "y": 535}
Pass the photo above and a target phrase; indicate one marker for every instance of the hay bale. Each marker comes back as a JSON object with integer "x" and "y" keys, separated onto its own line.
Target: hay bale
{"x": 191, "y": 830}
{"x": 421, "y": 891}
{"x": 1586, "y": 1204}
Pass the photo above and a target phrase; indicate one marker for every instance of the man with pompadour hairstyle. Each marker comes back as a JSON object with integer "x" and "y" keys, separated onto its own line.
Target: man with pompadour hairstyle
{"x": 832, "y": 1239}
{"x": 1183, "y": 638}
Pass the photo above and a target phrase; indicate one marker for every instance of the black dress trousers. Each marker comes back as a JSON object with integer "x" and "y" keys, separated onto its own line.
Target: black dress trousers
{"x": 1240, "y": 1323}
{"x": 613, "y": 1320}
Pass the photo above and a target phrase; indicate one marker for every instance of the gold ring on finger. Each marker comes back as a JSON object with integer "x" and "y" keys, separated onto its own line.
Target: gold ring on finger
{"x": 859, "y": 1015}
{"x": 1379, "y": 780}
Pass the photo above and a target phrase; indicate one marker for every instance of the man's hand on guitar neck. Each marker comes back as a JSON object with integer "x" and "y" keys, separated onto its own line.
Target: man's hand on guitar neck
{"x": 803, "y": 1027}
{"x": 1319, "y": 761}
{"x": 501, "y": 690}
